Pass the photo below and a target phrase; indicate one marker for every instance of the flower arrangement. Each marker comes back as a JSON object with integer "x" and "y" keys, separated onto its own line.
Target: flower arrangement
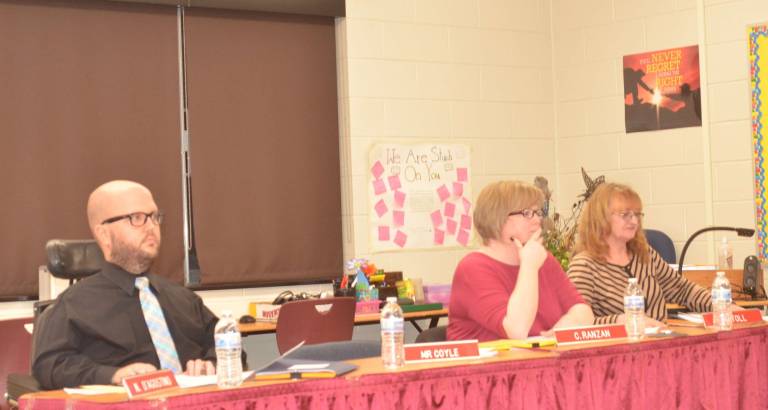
{"x": 360, "y": 269}
{"x": 559, "y": 233}
{"x": 355, "y": 265}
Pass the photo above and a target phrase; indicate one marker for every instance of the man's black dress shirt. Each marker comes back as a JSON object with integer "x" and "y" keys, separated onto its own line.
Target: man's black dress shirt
{"x": 97, "y": 326}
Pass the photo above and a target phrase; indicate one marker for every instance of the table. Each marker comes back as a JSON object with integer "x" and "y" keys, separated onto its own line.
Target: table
{"x": 725, "y": 370}
{"x": 746, "y": 304}
{"x": 363, "y": 319}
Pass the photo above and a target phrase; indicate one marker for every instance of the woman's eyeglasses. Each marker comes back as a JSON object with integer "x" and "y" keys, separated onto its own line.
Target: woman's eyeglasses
{"x": 529, "y": 213}
{"x": 628, "y": 215}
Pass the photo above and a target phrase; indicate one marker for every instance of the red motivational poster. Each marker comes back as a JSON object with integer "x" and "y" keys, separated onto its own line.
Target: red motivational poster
{"x": 662, "y": 89}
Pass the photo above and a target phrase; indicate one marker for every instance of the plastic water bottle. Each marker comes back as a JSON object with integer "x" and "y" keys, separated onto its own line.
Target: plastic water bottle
{"x": 725, "y": 255}
{"x": 229, "y": 367}
{"x": 634, "y": 310}
{"x": 392, "y": 334}
{"x": 721, "y": 303}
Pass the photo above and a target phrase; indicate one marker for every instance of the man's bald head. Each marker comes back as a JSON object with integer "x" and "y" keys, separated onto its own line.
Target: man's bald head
{"x": 109, "y": 200}
{"x": 133, "y": 247}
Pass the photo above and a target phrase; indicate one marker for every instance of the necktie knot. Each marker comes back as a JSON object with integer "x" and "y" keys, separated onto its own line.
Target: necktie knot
{"x": 142, "y": 283}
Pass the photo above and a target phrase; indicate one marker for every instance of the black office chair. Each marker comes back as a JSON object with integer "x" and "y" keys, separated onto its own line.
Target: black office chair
{"x": 67, "y": 259}
{"x": 662, "y": 243}
{"x": 73, "y": 259}
{"x": 15, "y": 359}
{"x": 434, "y": 334}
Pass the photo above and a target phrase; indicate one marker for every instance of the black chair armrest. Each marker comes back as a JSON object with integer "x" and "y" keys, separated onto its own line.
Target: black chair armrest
{"x": 19, "y": 384}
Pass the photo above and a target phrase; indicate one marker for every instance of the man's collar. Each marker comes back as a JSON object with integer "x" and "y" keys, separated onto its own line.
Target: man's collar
{"x": 123, "y": 279}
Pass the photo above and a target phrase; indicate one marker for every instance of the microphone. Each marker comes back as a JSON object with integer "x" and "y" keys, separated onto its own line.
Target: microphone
{"x": 746, "y": 232}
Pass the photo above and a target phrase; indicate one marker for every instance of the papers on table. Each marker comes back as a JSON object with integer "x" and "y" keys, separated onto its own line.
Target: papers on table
{"x": 96, "y": 389}
{"x": 183, "y": 381}
{"x": 691, "y": 317}
{"x": 287, "y": 368}
{"x": 488, "y": 352}
{"x": 308, "y": 366}
{"x": 530, "y": 342}
{"x": 693, "y": 267}
{"x": 196, "y": 381}
{"x": 652, "y": 330}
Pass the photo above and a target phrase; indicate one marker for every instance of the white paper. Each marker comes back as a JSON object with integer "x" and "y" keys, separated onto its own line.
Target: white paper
{"x": 691, "y": 317}
{"x": 96, "y": 389}
{"x": 652, "y": 330}
{"x": 693, "y": 267}
{"x": 309, "y": 366}
{"x": 488, "y": 352}
{"x": 196, "y": 381}
{"x": 541, "y": 339}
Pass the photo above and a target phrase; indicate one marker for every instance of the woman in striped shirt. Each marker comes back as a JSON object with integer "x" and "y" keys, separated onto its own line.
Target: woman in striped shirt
{"x": 611, "y": 248}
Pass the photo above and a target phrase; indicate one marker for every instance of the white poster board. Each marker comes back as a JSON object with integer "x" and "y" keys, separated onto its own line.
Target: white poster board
{"x": 419, "y": 196}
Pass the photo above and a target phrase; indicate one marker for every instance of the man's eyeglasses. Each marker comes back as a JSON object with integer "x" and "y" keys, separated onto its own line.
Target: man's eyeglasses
{"x": 137, "y": 218}
{"x": 529, "y": 213}
{"x": 628, "y": 215}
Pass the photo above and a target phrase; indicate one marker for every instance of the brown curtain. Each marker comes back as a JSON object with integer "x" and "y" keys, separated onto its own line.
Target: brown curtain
{"x": 89, "y": 94}
{"x": 264, "y": 147}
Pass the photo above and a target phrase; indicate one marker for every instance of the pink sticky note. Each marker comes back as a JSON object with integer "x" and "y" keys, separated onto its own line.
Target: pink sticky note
{"x": 400, "y": 239}
{"x": 437, "y": 218}
{"x": 467, "y": 205}
{"x": 466, "y": 222}
{"x": 439, "y": 236}
{"x": 399, "y": 199}
{"x": 458, "y": 189}
{"x": 450, "y": 209}
{"x": 462, "y": 237}
{"x": 461, "y": 174}
{"x": 450, "y": 225}
{"x": 383, "y": 233}
{"x": 394, "y": 182}
{"x": 398, "y": 218}
{"x": 379, "y": 187}
{"x": 443, "y": 193}
{"x": 381, "y": 208}
{"x": 377, "y": 169}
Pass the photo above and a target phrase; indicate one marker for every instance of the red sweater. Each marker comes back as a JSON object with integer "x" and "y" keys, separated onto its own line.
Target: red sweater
{"x": 481, "y": 289}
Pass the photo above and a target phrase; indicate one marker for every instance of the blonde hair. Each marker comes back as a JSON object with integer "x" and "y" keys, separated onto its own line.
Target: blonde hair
{"x": 497, "y": 200}
{"x": 594, "y": 223}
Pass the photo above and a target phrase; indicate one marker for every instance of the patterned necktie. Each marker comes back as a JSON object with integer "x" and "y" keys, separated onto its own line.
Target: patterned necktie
{"x": 158, "y": 328}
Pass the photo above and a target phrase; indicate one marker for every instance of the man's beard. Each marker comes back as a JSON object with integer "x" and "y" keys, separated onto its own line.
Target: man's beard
{"x": 132, "y": 259}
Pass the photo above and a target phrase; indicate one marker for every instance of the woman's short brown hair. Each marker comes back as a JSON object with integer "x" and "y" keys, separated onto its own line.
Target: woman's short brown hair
{"x": 497, "y": 200}
{"x": 594, "y": 223}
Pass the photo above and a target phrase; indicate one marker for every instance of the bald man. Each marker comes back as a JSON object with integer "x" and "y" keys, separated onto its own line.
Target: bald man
{"x": 96, "y": 332}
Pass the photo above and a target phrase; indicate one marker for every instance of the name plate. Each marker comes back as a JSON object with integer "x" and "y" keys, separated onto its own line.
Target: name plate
{"x": 441, "y": 351}
{"x": 148, "y": 383}
{"x": 739, "y": 316}
{"x": 587, "y": 334}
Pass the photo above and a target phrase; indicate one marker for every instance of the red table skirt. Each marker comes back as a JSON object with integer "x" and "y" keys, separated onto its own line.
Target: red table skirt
{"x": 726, "y": 370}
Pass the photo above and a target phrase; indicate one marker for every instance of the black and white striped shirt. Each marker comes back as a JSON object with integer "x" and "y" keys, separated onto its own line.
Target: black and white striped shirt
{"x": 602, "y": 285}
